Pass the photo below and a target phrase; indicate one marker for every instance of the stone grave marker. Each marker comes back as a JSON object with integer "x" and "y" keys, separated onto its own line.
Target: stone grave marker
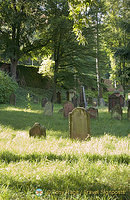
{"x": 12, "y": 99}
{"x": 70, "y": 94}
{"x": 48, "y": 109}
{"x": 79, "y": 124}
{"x": 44, "y": 101}
{"x": 37, "y": 130}
{"x": 102, "y": 102}
{"x": 94, "y": 102}
{"x": 68, "y": 107}
{"x": 116, "y": 112}
{"x": 58, "y": 97}
{"x": 75, "y": 101}
{"x": 115, "y": 99}
{"x": 93, "y": 112}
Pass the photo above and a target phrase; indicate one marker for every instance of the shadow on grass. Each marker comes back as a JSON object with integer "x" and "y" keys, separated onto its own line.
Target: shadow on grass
{"x": 8, "y": 157}
{"x": 20, "y": 120}
{"x": 24, "y": 120}
{"x": 71, "y": 183}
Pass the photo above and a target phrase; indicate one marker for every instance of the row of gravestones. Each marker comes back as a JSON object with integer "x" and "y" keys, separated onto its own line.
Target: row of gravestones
{"x": 79, "y": 125}
{"x": 115, "y": 106}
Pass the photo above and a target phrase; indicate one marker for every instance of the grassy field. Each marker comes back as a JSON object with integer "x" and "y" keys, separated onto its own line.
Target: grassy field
{"x": 62, "y": 168}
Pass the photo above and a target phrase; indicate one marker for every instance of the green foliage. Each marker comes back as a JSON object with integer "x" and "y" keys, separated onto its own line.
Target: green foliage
{"x": 7, "y": 86}
{"x": 29, "y": 76}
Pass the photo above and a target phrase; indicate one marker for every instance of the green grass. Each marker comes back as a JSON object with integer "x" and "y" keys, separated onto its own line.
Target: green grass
{"x": 61, "y": 167}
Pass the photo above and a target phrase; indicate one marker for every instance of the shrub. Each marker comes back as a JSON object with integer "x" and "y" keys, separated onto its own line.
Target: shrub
{"x": 7, "y": 86}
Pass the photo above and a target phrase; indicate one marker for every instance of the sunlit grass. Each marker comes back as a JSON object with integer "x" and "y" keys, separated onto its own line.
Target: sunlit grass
{"x": 58, "y": 163}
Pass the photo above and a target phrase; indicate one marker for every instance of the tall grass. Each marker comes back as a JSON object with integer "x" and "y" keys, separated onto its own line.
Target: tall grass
{"x": 61, "y": 167}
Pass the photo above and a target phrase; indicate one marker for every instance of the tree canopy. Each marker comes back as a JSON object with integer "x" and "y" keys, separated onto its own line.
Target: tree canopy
{"x": 78, "y": 39}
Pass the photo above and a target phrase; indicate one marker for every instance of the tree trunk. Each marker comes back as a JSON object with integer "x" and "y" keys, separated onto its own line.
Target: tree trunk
{"x": 97, "y": 60}
{"x": 124, "y": 78}
{"x": 13, "y": 68}
{"x": 55, "y": 82}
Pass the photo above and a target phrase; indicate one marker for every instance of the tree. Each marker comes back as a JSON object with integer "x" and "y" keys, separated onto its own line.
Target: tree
{"x": 70, "y": 60}
{"x": 117, "y": 40}
{"x": 19, "y": 21}
{"x": 95, "y": 16}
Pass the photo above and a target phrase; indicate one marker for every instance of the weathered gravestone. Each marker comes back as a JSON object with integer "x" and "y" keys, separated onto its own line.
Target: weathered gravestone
{"x": 44, "y": 101}
{"x": 128, "y": 111}
{"x": 37, "y": 130}
{"x": 68, "y": 107}
{"x": 48, "y": 110}
{"x": 58, "y": 97}
{"x": 75, "y": 101}
{"x": 116, "y": 112}
{"x": 93, "y": 112}
{"x": 102, "y": 102}
{"x": 95, "y": 102}
{"x": 115, "y": 99}
{"x": 70, "y": 94}
{"x": 12, "y": 100}
{"x": 79, "y": 124}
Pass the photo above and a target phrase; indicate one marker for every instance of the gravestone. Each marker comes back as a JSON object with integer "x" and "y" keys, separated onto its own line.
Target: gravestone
{"x": 68, "y": 107}
{"x": 128, "y": 111}
{"x": 79, "y": 124}
{"x": 48, "y": 109}
{"x": 113, "y": 100}
{"x": 116, "y": 112}
{"x": 37, "y": 130}
{"x": 93, "y": 112}
{"x": 102, "y": 102}
{"x": 58, "y": 97}
{"x": 70, "y": 94}
{"x": 75, "y": 101}
{"x": 95, "y": 102}
{"x": 44, "y": 101}
{"x": 12, "y": 100}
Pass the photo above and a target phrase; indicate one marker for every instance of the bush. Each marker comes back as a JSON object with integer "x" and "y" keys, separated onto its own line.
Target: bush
{"x": 7, "y": 86}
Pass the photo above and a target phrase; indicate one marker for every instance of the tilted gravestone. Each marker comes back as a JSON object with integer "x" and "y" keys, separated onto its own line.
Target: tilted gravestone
{"x": 79, "y": 124}
{"x": 68, "y": 107}
{"x": 12, "y": 100}
{"x": 48, "y": 110}
{"x": 37, "y": 130}
{"x": 93, "y": 112}
{"x": 44, "y": 101}
{"x": 116, "y": 112}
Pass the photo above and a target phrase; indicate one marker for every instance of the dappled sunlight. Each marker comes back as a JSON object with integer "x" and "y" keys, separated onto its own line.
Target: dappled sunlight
{"x": 21, "y": 110}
